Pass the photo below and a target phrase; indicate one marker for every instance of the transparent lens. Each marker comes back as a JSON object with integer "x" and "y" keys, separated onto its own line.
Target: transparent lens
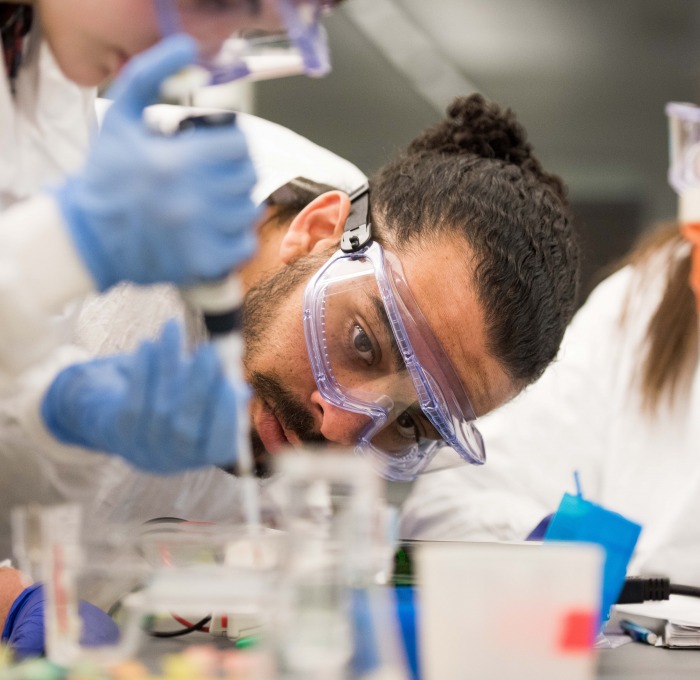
{"x": 375, "y": 357}
{"x": 252, "y": 39}
{"x": 364, "y": 361}
{"x": 259, "y": 58}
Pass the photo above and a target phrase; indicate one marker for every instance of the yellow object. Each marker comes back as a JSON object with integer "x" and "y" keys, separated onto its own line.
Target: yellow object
{"x": 179, "y": 667}
{"x": 5, "y": 656}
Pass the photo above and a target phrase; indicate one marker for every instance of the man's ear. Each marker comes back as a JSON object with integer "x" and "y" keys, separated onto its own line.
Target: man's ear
{"x": 318, "y": 226}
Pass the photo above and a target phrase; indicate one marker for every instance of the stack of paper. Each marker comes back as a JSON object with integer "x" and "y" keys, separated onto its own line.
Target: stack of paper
{"x": 676, "y": 621}
{"x": 679, "y": 635}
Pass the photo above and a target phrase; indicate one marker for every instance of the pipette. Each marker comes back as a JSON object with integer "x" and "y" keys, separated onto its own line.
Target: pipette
{"x": 221, "y": 304}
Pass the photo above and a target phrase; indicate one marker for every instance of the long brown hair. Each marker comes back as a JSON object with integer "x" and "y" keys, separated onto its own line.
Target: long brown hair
{"x": 671, "y": 350}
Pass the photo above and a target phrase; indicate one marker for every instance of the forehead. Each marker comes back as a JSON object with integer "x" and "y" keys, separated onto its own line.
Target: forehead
{"x": 440, "y": 277}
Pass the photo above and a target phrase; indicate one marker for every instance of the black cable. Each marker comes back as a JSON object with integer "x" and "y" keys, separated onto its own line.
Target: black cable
{"x": 652, "y": 588}
{"x": 644, "y": 588}
{"x": 182, "y": 631}
{"x": 678, "y": 589}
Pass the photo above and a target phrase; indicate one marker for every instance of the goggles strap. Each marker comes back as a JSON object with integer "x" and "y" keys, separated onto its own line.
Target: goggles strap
{"x": 358, "y": 227}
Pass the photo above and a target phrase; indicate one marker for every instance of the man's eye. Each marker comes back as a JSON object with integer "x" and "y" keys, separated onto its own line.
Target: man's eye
{"x": 407, "y": 427}
{"x": 363, "y": 344}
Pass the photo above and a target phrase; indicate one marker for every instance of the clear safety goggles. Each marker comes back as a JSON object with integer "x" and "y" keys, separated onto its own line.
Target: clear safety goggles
{"x": 374, "y": 355}
{"x": 300, "y": 46}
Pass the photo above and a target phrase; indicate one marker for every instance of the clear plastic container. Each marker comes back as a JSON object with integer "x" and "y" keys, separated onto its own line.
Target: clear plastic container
{"x": 172, "y": 576}
{"x": 684, "y": 145}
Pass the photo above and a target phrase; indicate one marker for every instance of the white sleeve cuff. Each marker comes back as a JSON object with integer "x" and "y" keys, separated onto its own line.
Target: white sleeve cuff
{"x": 40, "y": 271}
{"x": 25, "y": 406}
{"x": 47, "y": 265}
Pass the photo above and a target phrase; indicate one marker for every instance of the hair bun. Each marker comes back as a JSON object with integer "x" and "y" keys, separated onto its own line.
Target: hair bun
{"x": 476, "y": 127}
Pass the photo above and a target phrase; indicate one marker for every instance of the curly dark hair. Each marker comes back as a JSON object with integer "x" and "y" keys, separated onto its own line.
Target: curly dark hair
{"x": 474, "y": 175}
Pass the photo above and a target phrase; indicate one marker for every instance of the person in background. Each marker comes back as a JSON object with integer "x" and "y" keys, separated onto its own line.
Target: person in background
{"x": 621, "y": 405}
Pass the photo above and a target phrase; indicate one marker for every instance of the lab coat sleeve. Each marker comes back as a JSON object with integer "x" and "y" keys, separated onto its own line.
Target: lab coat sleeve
{"x": 534, "y": 443}
{"x": 35, "y": 467}
{"x": 40, "y": 271}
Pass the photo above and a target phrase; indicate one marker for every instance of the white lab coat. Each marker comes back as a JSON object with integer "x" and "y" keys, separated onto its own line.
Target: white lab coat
{"x": 44, "y": 131}
{"x": 45, "y": 126}
{"x": 36, "y": 468}
{"x": 584, "y": 414}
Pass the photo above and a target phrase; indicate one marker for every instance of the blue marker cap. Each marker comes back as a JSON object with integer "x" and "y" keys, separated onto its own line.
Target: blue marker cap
{"x": 639, "y": 633}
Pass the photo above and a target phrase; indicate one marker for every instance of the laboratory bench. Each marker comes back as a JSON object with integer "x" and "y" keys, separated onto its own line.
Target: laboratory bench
{"x": 633, "y": 661}
{"x": 630, "y": 662}
{"x": 637, "y": 661}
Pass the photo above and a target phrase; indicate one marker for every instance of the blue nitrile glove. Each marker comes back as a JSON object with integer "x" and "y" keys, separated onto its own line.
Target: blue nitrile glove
{"x": 152, "y": 208}
{"x": 24, "y": 627}
{"x": 160, "y": 409}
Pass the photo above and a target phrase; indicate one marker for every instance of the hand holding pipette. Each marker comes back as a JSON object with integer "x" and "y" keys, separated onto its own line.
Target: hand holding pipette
{"x": 221, "y": 304}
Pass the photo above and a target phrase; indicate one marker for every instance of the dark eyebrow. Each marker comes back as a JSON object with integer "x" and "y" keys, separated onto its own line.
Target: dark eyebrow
{"x": 397, "y": 358}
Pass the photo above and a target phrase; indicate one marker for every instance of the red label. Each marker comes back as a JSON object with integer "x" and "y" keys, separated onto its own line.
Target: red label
{"x": 578, "y": 631}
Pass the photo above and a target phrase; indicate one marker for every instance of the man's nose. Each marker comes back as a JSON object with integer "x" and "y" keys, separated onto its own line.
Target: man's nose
{"x": 336, "y": 424}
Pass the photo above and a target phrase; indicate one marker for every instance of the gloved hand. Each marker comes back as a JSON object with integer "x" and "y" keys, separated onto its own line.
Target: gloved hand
{"x": 158, "y": 408}
{"x": 151, "y": 208}
{"x": 24, "y": 627}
